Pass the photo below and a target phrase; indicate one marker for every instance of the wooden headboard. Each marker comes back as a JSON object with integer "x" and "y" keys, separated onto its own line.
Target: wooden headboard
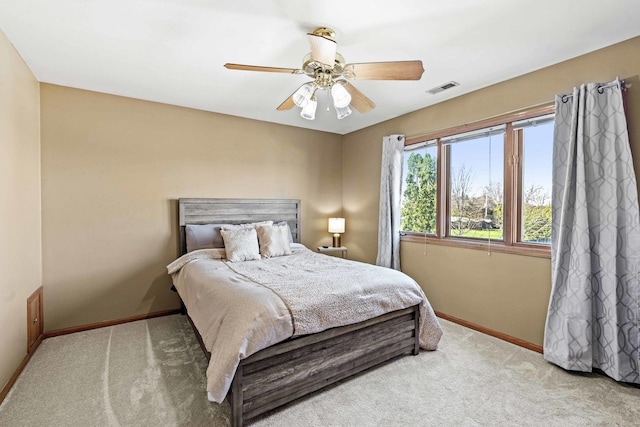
{"x": 237, "y": 211}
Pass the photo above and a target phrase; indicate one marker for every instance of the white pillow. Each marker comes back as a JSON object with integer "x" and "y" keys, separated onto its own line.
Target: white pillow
{"x": 241, "y": 244}
{"x": 288, "y": 228}
{"x": 274, "y": 240}
{"x": 243, "y": 226}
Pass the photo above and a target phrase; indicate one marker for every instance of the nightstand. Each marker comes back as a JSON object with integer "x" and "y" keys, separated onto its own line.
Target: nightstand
{"x": 332, "y": 250}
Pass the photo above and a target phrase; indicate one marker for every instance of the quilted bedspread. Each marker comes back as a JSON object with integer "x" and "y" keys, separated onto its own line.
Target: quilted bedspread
{"x": 240, "y": 308}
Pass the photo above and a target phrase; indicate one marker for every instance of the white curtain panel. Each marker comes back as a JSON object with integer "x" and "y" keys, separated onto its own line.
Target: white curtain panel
{"x": 390, "y": 187}
{"x": 592, "y": 322}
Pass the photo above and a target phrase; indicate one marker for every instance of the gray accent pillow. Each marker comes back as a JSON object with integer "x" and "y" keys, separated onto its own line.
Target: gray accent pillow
{"x": 203, "y": 236}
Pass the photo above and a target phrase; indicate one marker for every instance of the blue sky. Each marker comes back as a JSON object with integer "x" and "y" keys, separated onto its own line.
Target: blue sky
{"x": 484, "y": 165}
{"x": 538, "y": 156}
{"x": 474, "y": 154}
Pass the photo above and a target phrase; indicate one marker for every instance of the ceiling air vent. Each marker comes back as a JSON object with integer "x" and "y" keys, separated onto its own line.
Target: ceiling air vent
{"x": 442, "y": 87}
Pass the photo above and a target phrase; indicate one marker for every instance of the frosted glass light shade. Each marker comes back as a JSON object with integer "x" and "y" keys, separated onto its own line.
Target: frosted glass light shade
{"x": 309, "y": 111}
{"x": 303, "y": 95}
{"x": 336, "y": 225}
{"x": 341, "y": 97}
{"x": 343, "y": 112}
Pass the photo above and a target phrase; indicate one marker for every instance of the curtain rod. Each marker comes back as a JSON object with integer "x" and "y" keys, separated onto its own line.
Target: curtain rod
{"x": 623, "y": 86}
{"x": 600, "y": 88}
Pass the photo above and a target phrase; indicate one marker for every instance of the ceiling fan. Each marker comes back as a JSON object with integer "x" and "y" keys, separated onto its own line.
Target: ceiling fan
{"x": 328, "y": 70}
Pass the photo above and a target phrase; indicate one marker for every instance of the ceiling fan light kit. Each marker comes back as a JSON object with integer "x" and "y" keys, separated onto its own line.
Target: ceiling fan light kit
{"x": 328, "y": 70}
{"x": 341, "y": 97}
{"x": 343, "y": 112}
{"x": 304, "y": 93}
{"x": 309, "y": 110}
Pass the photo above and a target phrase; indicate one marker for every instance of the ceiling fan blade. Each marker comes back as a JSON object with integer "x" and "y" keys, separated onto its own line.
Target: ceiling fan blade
{"x": 395, "y": 70}
{"x": 323, "y": 49}
{"x": 287, "y": 104}
{"x": 358, "y": 100}
{"x": 260, "y": 68}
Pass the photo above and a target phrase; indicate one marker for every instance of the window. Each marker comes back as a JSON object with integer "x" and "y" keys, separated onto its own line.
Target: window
{"x": 476, "y": 172}
{"x": 490, "y": 182}
{"x": 419, "y": 186}
{"x": 535, "y": 136}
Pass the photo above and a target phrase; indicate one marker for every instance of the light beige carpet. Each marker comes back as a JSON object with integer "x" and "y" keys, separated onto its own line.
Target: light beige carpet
{"x": 151, "y": 373}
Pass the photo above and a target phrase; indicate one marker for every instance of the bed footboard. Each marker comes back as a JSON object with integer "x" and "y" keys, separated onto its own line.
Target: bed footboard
{"x": 297, "y": 367}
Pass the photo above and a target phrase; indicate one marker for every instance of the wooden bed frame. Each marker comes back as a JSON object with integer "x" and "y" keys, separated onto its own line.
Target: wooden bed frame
{"x": 298, "y": 366}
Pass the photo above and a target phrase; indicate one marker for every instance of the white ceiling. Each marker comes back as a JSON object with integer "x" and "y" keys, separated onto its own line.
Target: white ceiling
{"x": 173, "y": 51}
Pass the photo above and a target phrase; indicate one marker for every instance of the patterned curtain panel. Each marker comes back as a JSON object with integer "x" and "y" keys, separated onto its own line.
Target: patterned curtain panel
{"x": 592, "y": 322}
{"x": 390, "y": 187}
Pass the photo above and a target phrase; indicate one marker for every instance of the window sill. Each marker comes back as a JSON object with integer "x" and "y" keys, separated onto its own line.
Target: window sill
{"x": 495, "y": 246}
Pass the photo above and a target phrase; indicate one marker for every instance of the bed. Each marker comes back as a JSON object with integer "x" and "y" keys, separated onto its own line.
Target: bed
{"x": 294, "y": 366}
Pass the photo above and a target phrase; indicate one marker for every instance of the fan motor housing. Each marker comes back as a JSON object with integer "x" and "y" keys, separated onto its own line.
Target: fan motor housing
{"x": 312, "y": 68}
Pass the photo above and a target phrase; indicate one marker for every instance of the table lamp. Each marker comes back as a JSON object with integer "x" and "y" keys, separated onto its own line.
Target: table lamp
{"x": 336, "y": 226}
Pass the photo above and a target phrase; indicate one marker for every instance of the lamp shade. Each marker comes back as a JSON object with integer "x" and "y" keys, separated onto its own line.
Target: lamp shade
{"x": 303, "y": 95}
{"x": 309, "y": 110}
{"x": 341, "y": 97}
{"x": 336, "y": 225}
{"x": 343, "y": 112}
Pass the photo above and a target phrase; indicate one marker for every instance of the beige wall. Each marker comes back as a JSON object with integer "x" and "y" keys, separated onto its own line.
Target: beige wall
{"x": 20, "y": 249}
{"x": 507, "y": 293}
{"x": 111, "y": 167}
